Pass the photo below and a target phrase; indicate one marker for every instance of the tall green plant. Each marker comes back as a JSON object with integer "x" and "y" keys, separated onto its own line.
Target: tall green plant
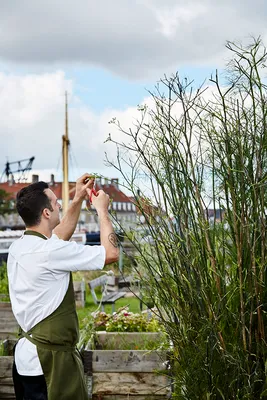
{"x": 191, "y": 151}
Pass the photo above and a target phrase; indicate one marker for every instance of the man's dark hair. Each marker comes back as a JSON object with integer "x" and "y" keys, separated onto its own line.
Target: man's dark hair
{"x": 31, "y": 201}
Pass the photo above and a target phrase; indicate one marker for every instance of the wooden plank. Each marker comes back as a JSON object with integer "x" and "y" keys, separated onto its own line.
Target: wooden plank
{"x": 98, "y": 282}
{"x": 6, "y": 363}
{"x": 6, "y": 390}
{"x": 79, "y": 292}
{"x": 8, "y": 335}
{"x": 8, "y": 397}
{"x": 8, "y": 323}
{"x": 118, "y": 295}
{"x": 128, "y": 361}
{"x": 130, "y": 384}
{"x": 9, "y": 346}
{"x": 5, "y": 305}
{"x": 129, "y": 397}
{"x": 6, "y": 381}
{"x": 112, "y": 297}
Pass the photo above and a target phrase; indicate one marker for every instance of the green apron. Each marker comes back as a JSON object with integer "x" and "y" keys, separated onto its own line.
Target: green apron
{"x": 55, "y": 338}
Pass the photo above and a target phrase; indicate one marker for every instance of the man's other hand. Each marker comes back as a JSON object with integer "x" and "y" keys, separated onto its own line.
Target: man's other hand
{"x": 84, "y": 183}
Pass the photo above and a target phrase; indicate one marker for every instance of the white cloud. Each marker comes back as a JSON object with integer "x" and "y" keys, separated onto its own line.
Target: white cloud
{"x": 33, "y": 122}
{"x": 133, "y": 39}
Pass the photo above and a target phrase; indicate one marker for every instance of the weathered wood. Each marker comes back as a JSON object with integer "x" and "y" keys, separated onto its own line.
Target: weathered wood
{"x": 79, "y": 292}
{"x": 6, "y": 381}
{"x": 9, "y": 346}
{"x": 128, "y": 397}
{"x": 128, "y": 372}
{"x": 8, "y": 323}
{"x": 5, "y": 305}
{"x": 6, "y": 363}
{"x": 130, "y": 384}
{"x": 128, "y": 361}
{"x": 7, "y": 392}
{"x": 116, "y": 339}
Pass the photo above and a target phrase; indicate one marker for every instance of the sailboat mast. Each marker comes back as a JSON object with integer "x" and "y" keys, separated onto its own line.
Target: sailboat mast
{"x": 65, "y": 156}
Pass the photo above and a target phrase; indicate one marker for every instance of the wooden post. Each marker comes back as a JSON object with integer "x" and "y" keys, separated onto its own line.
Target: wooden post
{"x": 65, "y": 156}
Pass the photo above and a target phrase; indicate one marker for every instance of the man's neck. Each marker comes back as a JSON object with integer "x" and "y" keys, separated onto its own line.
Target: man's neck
{"x": 40, "y": 229}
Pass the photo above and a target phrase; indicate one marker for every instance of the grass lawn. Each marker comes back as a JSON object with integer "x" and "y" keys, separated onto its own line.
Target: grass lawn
{"x": 90, "y": 306}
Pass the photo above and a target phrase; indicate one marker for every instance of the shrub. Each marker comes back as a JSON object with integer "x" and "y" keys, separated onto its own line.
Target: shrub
{"x": 4, "y": 283}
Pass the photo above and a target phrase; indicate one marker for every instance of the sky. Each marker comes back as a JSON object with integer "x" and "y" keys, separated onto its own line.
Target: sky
{"x": 107, "y": 55}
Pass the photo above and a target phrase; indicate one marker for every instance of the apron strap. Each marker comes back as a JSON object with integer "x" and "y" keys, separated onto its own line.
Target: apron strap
{"x": 52, "y": 347}
{"x": 34, "y": 233}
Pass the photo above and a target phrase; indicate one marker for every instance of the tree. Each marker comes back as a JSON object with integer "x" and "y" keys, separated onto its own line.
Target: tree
{"x": 193, "y": 150}
{"x": 6, "y": 203}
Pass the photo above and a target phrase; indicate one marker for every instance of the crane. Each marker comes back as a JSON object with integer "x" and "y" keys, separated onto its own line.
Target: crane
{"x": 22, "y": 166}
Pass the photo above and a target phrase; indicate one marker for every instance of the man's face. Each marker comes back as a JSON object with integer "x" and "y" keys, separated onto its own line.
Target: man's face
{"x": 54, "y": 219}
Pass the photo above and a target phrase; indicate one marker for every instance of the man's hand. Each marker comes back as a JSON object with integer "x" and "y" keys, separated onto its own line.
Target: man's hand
{"x": 100, "y": 201}
{"x": 84, "y": 183}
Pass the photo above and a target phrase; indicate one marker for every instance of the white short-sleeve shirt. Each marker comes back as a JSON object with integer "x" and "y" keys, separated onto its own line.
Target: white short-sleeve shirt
{"x": 38, "y": 275}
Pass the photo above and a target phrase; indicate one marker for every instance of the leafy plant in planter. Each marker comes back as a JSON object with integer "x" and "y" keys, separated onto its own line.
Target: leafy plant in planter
{"x": 126, "y": 321}
{"x": 125, "y": 330}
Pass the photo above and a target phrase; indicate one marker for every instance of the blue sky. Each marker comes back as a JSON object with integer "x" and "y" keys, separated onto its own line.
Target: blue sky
{"x": 100, "y": 89}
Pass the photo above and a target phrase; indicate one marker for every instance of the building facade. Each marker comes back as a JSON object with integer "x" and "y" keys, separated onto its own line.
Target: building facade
{"x": 122, "y": 207}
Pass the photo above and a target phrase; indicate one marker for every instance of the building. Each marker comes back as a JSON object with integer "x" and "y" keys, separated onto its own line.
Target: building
{"x": 215, "y": 215}
{"x": 122, "y": 206}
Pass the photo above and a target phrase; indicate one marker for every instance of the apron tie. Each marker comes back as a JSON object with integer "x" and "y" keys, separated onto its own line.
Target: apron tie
{"x": 47, "y": 346}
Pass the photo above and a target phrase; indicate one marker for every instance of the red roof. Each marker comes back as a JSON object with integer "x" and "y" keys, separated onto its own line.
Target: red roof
{"x": 111, "y": 189}
{"x": 114, "y": 193}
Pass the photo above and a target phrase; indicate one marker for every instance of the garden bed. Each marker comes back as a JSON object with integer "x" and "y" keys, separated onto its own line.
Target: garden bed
{"x": 127, "y": 373}
{"x": 127, "y": 365}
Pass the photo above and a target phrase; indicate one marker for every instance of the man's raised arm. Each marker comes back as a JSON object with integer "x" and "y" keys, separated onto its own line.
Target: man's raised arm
{"x": 68, "y": 224}
{"x": 108, "y": 237}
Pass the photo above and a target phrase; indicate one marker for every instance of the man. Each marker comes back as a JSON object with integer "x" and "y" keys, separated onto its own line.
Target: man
{"x": 47, "y": 364}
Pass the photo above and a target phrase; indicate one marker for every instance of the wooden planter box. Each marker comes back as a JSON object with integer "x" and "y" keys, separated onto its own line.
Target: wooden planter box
{"x": 8, "y": 324}
{"x": 110, "y": 374}
{"x": 6, "y": 363}
{"x": 126, "y": 374}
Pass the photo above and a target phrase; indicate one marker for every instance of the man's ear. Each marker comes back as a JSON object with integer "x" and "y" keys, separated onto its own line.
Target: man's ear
{"x": 46, "y": 213}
